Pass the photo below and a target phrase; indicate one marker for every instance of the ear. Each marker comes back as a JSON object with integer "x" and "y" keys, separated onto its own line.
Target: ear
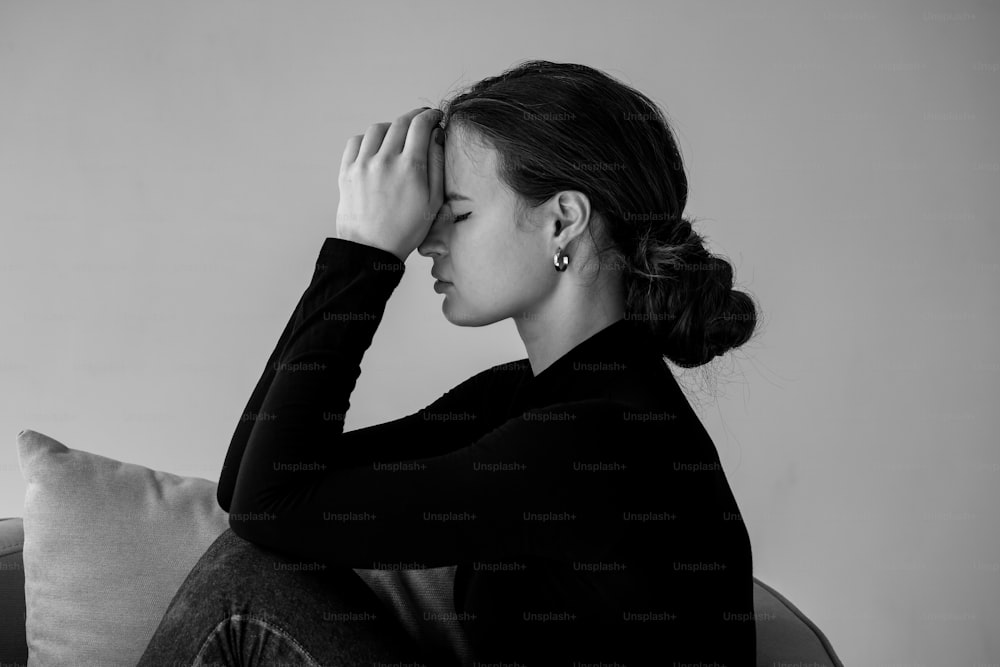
{"x": 571, "y": 209}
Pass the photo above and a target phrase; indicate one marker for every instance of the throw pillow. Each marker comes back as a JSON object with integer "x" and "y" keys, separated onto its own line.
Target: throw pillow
{"x": 106, "y": 546}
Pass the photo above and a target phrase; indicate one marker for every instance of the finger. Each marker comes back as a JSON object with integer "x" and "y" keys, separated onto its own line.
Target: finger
{"x": 435, "y": 169}
{"x": 350, "y": 151}
{"x": 373, "y": 139}
{"x": 394, "y": 139}
{"x": 419, "y": 133}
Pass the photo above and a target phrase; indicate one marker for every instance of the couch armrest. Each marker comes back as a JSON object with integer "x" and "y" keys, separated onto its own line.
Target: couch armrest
{"x": 785, "y": 634}
{"x": 13, "y": 640}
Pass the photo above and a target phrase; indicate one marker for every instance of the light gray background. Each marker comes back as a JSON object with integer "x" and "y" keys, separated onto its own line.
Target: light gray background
{"x": 168, "y": 174}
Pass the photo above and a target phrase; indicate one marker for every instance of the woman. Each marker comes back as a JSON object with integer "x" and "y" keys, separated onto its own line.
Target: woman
{"x": 574, "y": 494}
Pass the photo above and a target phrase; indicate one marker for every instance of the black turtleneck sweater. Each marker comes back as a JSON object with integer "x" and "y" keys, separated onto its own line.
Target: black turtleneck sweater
{"x": 586, "y": 508}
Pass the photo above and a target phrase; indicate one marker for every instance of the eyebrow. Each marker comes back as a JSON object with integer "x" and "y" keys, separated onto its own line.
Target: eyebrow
{"x": 454, "y": 196}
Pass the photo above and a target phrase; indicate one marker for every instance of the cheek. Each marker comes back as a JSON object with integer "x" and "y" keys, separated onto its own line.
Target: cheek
{"x": 519, "y": 275}
{"x": 478, "y": 252}
{"x": 490, "y": 273}
{"x": 495, "y": 265}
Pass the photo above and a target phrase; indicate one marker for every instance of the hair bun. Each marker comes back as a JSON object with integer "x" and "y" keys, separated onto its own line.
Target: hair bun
{"x": 688, "y": 296}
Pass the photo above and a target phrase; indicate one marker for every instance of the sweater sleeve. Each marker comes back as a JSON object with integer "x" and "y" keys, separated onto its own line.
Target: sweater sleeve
{"x": 419, "y": 492}
{"x": 238, "y": 443}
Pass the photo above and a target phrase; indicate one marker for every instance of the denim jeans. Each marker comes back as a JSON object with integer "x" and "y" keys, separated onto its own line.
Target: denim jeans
{"x": 245, "y": 605}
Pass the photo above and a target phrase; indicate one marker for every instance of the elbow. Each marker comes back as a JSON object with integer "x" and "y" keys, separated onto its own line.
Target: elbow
{"x": 238, "y": 526}
{"x": 237, "y": 520}
{"x": 222, "y": 500}
{"x": 259, "y": 528}
{"x": 244, "y": 525}
{"x": 249, "y": 519}
{"x": 242, "y": 514}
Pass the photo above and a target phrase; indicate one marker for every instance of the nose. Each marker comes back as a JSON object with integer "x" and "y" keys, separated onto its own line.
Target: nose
{"x": 435, "y": 242}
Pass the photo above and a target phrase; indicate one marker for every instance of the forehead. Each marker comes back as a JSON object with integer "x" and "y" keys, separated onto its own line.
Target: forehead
{"x": 469, "y": 166}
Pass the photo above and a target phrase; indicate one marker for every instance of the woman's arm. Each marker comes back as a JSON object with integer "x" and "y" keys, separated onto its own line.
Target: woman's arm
{"x": 459, "y": 487}
{"x": 304, "y": 487}
{"x": 238, "y": 443}
{"x": 391, "y": 199}
{"x": 429, "y": 431}
{"x": 512, "y": 493}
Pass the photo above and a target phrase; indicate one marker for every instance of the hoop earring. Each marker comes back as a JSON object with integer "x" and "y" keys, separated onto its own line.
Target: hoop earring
{"x": 556, "y": 259}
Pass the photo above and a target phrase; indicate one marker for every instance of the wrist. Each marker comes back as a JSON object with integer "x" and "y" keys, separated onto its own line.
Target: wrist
{"x": 354, "y": 238}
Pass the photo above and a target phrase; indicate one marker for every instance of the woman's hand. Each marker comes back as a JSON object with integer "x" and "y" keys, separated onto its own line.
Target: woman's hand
{"x": 392, "y": 183}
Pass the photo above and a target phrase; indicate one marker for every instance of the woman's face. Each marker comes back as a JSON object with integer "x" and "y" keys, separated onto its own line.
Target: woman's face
{"x": 496, "y": 269}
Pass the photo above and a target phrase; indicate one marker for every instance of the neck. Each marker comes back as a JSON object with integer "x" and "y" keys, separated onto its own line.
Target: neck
{"x": 570, "y": 316}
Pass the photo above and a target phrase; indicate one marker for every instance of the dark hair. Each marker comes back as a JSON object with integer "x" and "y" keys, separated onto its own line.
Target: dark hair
{"x": 591, "y": 133}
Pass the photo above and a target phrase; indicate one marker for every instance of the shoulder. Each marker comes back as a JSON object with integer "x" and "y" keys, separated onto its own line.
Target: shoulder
{"x": 500, "y": 379}
{"x": 571, "y": 424}
{"x": 492, "y": 379}
{"x": 514, "y": 370}
{"x": 587, "y": 409}
{"x": 602, "y": 425}
{"x": 509, "y": 371}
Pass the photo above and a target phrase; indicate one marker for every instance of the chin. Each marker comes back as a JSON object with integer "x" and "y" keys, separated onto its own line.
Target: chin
{"x": 463, "y": 318}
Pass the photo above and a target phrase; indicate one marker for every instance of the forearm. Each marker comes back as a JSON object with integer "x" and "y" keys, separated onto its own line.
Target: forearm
{"x": 251, "y": 413}
{"x": 309, "y": 380}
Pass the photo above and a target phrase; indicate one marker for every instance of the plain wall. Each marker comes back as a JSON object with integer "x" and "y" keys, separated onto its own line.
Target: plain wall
{"x": 168, "y": 173}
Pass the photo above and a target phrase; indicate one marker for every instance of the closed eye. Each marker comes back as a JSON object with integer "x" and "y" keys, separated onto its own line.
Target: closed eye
{"x": 459, "y": 218}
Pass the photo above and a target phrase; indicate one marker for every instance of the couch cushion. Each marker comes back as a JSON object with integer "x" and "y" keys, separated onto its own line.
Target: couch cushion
{"x": 106, "y": 546}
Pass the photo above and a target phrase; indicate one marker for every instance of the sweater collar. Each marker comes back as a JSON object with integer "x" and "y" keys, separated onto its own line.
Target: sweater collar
{"x": 592, "y": 368}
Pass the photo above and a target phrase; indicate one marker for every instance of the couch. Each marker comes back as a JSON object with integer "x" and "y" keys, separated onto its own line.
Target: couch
{"x": 102, "y": 546}
{"x": 784, "y": 634}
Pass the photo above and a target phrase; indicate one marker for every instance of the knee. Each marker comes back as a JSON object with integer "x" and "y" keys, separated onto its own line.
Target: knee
{"x": 231, "y": 553}
{"x": 238, "y": 558}
{"x": 229, "y": 567}
{"x": 241, "y": 569}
